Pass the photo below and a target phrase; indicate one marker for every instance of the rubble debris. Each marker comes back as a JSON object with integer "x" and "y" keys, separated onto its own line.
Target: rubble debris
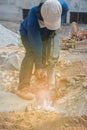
{"x": 68, "y": 43}
{"x": 75, "y": 101}
{"x": 76, "y": 33}
{"x": 41, "y": 120}
{"x": 11, "y": 57}
{"x": 14, "y": 61}
{"x": 85, "y": 84}
{"x": 74, "y": 37}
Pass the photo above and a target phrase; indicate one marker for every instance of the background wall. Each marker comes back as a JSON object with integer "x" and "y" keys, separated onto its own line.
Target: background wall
{"x": 77, "y": 11}
{"x": 9, "y": 11}
{"x": 13, "y": 9}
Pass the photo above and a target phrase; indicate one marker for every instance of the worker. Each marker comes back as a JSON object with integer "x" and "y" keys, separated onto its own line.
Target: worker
{"x": 40, "y": 37}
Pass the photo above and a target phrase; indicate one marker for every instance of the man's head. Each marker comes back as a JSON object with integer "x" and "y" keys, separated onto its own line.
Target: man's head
{"x": 51, "y": 12}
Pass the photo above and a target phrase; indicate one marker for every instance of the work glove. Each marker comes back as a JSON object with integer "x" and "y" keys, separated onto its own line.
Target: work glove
{"x": 41, "y": 74}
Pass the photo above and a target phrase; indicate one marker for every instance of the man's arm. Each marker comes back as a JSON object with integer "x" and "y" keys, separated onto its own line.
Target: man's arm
{"x": 36, "y": 45}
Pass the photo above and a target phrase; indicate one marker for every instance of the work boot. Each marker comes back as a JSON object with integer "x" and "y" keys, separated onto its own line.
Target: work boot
{"x": 25, "y": 93}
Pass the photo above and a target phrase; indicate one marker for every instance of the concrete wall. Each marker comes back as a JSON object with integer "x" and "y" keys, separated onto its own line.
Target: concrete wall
{"x": 76, "y": 6}
{"x": 26, "y": 4}
{"x": 9, "y": 11}
{"x": 12, "y": 9}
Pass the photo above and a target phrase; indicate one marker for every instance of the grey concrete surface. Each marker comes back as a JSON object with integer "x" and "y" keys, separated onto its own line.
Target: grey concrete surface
{"x": 11, "y": 102}
{"x": 7, "y": 36}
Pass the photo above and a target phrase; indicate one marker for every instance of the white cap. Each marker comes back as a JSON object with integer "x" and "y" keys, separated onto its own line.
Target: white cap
{"x": 51, "y": 12}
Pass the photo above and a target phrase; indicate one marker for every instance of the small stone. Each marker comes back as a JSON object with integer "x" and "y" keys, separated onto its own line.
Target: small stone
{"x": 58, "y": 75}
{"x": 3, "y": 58}
{"x": 14, "y": 61}
{"x": 84, "y": 84}
{"x": 81, "y": 75}
{"x": 76, "y": 78}
{"x": 71, "y": 81}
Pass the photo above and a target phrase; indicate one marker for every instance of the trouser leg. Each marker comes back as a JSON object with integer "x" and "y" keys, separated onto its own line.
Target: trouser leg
{"x": 46, "y": 52}
{"x": 26, "y": 65}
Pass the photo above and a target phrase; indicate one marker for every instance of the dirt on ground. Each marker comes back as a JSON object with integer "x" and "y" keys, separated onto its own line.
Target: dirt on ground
{"x": 41, "y": 120}
{"x": 66, "y": 110}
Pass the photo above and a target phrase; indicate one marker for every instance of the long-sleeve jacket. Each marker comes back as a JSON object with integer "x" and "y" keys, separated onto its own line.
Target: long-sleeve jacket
{"x": 30, "y": 26}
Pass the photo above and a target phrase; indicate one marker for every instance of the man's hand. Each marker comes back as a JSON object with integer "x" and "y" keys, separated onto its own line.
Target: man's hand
{"x": 41, "y": 74}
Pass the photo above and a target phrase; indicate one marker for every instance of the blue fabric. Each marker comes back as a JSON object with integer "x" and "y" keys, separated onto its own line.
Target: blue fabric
{"x": 30, "y": 27}
{"x": 65, "y": 9}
